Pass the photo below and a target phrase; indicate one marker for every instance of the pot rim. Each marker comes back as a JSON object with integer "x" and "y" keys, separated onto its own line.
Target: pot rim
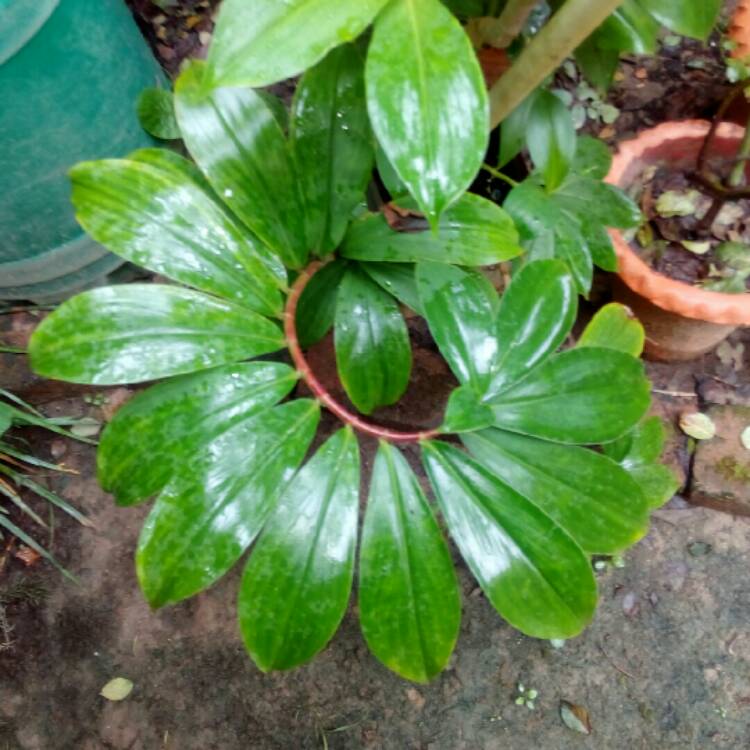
{"x": 669, "y": 294}
{"x": 739, "y": 30}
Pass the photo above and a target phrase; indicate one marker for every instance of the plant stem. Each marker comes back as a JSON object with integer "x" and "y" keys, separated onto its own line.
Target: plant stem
{"x": 497, "y": 174}
{"x": 318, "y": 390}
{"x": 11, "y": 350}
{"x": 570, "y": 26}
{"x": 740, "y": 168}
{"x": 500, "y": 32}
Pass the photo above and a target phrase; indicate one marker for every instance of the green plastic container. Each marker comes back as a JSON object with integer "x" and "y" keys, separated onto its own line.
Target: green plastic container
{"x": 70, "y": 73}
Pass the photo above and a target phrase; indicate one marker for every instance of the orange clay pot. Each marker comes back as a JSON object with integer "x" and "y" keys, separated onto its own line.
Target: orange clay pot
{"x": 681, "y": 321}
{"x": 739, "y": 30}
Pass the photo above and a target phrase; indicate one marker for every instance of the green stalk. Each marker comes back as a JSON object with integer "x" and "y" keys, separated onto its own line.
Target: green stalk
{"x": 572, "y": 24}
{"x": 738, "y": 173}
{"x": 500, "y": 32}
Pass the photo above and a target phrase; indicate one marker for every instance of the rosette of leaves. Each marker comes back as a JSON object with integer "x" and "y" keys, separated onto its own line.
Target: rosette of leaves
{"x": 221, "y": 444}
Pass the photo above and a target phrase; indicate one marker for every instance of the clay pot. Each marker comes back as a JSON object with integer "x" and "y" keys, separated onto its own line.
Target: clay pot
{"x": 739, "y": 30}
{"x": 681, "y": 321}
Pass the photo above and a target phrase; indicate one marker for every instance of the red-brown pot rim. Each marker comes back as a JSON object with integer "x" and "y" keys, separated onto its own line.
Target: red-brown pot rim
{"x": 669, "y": 294}
{"x": 739, "y": 30}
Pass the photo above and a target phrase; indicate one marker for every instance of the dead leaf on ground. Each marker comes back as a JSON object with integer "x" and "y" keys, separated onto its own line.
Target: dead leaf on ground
{"x": 117, "y": 689}
{"x": 697, "y": 425}
{"x": 27, "y": 555}
{"x": 575, "y": 717}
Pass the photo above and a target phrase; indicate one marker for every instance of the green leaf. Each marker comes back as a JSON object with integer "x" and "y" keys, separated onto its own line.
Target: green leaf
{"x": 596, "y": 63}
{"x": 599, "y": 243}
{"x": 373, "y": 355}
{"x": 550, "y": 137}
{"x": 580, "y": 396}
{"x": 639, "y": 452}
{"x": 408, "y": 595}
{"x": 316, "y": 310}
{"x": 598, "y": 201}
{"x": 513, "y": 130}
{"x": 593, "y": 158}
{"x": 237, "y": 142}
{"x": 166, "y": 427}
{"x": 461, "y": 320}
{"x": 547, "y": 231}
{"x": 397, "y": 279}
{"x": 157, "y": 216}
{"x": 265, "y": 41}
{"x": 585, "y": 493}
{"x": 466, "y": 412}
{"x": 296, "y": 585}
{"x": 332, "y": 144}
{"x": 631, "y": 28}
{"x": 536, "y": 314}
{"x": 614, "y": 327}
{"x": 278, "y": 108}
{"x": 427, "y": 101}
{"x": 139, "y": 332}
{"x": 686, "y": 17}
{"x": 392, "y": 182}
{"x": 473, "y": 232}
{"x": 155, "y": 110}
{"x": 532, "y": 572}
{"x": 209, "y": 514}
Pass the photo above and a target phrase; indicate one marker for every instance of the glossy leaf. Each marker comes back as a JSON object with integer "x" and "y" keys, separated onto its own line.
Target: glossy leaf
{"x": 547, "y": 231}
{"x": 593, "y": 158}
{"x": 258, "y": 43}
{"x": 598, "y": 64}
{"x": 167, "y": 426}
{"x": 550, "y": 137}
{"x": 317, "y": 305}
{"x": 157, "y": 216}
{"x": 473, "y": 232}
{"x": 408, "y": 595}
{"x": 585, "y": 493}
{"x": 392, "y": 182}
{"x": 639, "y": 452}
{"x": 631, "y": 28}
{"x": 210, "y": 513}
{"x": 537, "y": 312}
{"x": 373, "y": 355}
{"x": 599, "y": 243}
{"x": 589, "y": 197}
{"x": 614, "y": 327}
{"x": 465, "y": 412}
{"x": 532, "y": 572}
{"x": 237, "y": 142}
{"x": 427, "y": 101}
{"x": 687, "y": 17}
{"x": 296, "y": 585}
{"x": 580, "y": 396}
{"x": 397, "y": 279}
{"x": 461, "y": 320}
{"x": 332, "y": 144}
{"x": 155, "y": 110}
{"x": 513, "y": 130}
{"x": 139, "y": 332}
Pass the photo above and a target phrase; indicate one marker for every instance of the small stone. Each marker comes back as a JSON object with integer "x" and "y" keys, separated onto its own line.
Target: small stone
{"x": 699, "y": 549}
{"x": 58, "y": 448}
{"x": 630, "y": 605}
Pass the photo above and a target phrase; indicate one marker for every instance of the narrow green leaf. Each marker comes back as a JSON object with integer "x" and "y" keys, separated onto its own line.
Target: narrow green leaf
{"x": 537, "y": 312}
{"x": 156, "y": 216}
{"x": 639, "y": 452}
{"x": 297, "y": 583}
{"x": 259, "y": 43}
{"x": 631, "y": 28}
{"x": 316, "y": 310}
{"x": 687, "y": 17}
{"x": 397, "y": 279}
{"x": 461, "y": 320}
{"x": 139, "y": 332}
{"x": 209, "y": 514}
{"x": 550, "y": 137}
{"x": 473, "y": 232}
{"x": 614, "y": 327}
{"x": 237, "y": 142}
{"x": 409, "y": 602}
{"x": 373, "y": 354}
{"x": 332, "y": 144}
{"x": 466, "y": 412}
{"x": 167, "y": 426}
{"x": 532, "y": 572}
{"x": 155, "y": 110}
{"x": 513, "y": 130}
{"x": 585, "y": 493}
{"x": 580, "y": 396}
{"x": 427, "y": 101}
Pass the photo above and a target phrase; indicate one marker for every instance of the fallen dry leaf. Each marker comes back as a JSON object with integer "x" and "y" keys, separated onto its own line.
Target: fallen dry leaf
{"x": 697, "y": 425}
{"x": 745, "y": 438}
{"x": 27, "y": 555}
{"x": 117, "y": 689}
{"x": 575, "y": 717}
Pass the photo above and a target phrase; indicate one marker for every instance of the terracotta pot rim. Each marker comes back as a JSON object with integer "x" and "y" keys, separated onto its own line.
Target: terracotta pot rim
{"x": 739, "y": 30}
{"x": 675, "y": 296}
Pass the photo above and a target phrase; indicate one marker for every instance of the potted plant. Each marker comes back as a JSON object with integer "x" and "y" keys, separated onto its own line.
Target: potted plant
{"x": 269, "y": 245}
{"x": 685, "y": 273}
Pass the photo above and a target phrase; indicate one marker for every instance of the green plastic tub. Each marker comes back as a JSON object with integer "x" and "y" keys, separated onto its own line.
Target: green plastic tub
{"x": 70, "y": 73}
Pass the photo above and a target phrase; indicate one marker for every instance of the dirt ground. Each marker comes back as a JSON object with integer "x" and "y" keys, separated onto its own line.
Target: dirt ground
{"x": 665, "y": 664}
